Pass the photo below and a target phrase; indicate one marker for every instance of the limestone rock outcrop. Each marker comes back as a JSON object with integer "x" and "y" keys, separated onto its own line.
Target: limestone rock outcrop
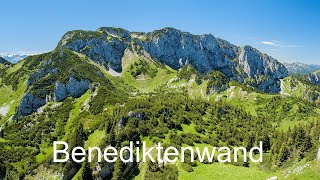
{"x": 176, "y": 48}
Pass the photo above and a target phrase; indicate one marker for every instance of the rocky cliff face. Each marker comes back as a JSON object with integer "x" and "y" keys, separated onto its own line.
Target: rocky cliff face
{"x": 314, "y": 78}
{"x": 73, "y": 87}
{"x": 176, "y": 48}
{"x": 207, "y": 53}
{"x": 263, "y": 69}
{"x": 30, "y": 104}
{"x": 52, "y": 81}
{"x": 106, "y": 46}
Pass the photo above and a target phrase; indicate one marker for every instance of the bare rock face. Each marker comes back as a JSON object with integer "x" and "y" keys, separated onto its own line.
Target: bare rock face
{"x": 254, "y": 63}
{"x": 30, "y": 104}
{"x": 73, "y": 87}
{"x": 105, "y": 47}
{"x": 170, "y": 45}
{"x": 77, "y": 87}
{"x": 175, "y": 48}
{"x": 265, "y": 70}
{"x": 45, "y": 84}
{"x": 60, "y": 92}
{"x": 314, "y": 78}
{"x": 207, "y": 53}
{"x": 204, "y": 52}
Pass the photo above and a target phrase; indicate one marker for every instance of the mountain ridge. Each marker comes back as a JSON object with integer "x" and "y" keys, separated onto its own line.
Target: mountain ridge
{"x": 55, "y": 75}
{"x": 175, "y": 48}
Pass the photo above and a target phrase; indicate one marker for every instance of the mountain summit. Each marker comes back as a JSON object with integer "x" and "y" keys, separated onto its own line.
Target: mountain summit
{"x": 175, "y": 49}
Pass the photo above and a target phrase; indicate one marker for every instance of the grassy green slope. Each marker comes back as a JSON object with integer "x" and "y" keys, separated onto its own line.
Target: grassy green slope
{"x": 10, "y": 98}
{"x": 145, "y": 81}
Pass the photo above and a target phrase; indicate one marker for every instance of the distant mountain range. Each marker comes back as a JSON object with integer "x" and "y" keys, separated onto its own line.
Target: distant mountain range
{"x": 14, "y": 58}
{"x": 301, "y": 68}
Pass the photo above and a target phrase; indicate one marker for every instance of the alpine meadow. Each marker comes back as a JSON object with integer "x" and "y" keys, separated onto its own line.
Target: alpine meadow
{"x": 111, "y": 86}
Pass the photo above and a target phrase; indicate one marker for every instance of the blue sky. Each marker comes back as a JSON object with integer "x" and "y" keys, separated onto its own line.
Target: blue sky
{"x": 286, "y": 29}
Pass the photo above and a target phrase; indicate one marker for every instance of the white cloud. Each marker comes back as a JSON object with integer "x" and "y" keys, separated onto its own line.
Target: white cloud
{"x": 276, "y": 43}
{"x": 269, "y": 43}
